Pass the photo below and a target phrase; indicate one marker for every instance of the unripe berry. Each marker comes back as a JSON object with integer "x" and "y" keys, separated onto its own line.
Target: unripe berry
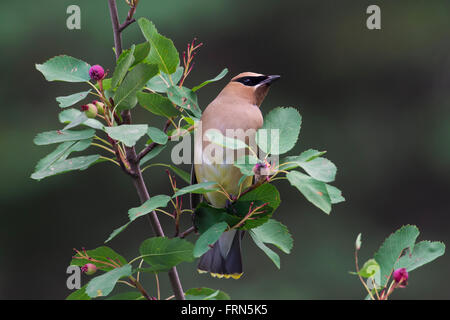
{"x": 96, "y": 72}
{"x": 90, "y": 110}
{"x": 100, "y": 106}
{"x": 89, "y": 269}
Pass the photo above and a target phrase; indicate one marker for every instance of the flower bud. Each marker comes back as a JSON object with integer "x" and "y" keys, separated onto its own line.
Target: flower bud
{"x": 100, "y": 106}
{"x": 89, "y": 269}
{"x": 262, "y": 170}
{"x": 90, "y": 110}
{"x": 401, "y": 277}
{"x": 96, "y": 72}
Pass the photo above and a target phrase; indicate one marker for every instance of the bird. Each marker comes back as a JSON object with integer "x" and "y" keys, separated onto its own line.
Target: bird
{"x": 237, "y": 107}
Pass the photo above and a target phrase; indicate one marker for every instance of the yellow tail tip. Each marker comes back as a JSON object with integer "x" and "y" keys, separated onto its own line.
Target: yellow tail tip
{"x": 220, "y": 275}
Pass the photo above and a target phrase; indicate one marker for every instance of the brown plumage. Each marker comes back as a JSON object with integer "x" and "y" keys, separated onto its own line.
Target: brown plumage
{"x": 236, "y": 107}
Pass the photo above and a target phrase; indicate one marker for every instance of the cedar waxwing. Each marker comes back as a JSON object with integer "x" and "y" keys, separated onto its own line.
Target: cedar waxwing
{"x": 237, "y": 108}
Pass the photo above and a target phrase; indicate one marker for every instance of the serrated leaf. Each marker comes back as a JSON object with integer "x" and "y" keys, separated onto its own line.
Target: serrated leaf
{"x": 186, "y": 99}
{"x": 423, "y": 253}
{"x": 122, "y": 67}
{"x": 209, "y": 237}
{"x": 159, "y": 201}
{"x": 206, "y": 294}
{"x": 100, "y": 254}
{"x": 157, "y": 104}
{"x": 78, "y": 163}
{"x": 198, "y": 188}
{"x": 69, "y": 115}
{"x": 68, "y": 101}
{"x": 157, "y": 135}
{"x": 140, "y": 53}
{"x": 65, "y": 68}
{"x": 314, "y": 191}
{"x": 129, "y": 134}
{"x": 275, "y": 233}
{"x": 335, "y": 194}
{"x": 62, "y": 152}
{"x": 102, "y": 286}
{"x": 318, "y": 168}
{"x": 280, "y": 131}
{"x": 58, "y": 136}
{"x": 392, "y": 248}
{"x": 269, "y": 252}
{"x": 162, "y": 253}
{"x": 125, "y": 96}
{"x": 76, "y": 122}
{"x": 216, "y": 78}
{"x": 291, "y": 162}
{"x": 266, "y": 193}
{"x": 162, "y": 51}
{"x": 205, "y": 216}
{"x": 161, "y": 82}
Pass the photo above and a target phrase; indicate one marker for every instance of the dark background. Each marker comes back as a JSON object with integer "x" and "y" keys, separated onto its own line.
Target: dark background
{"x": 377, "y": 101}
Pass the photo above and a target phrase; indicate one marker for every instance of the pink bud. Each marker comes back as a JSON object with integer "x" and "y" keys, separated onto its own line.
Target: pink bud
{"x": 89, "y": 269}
{"x": 96, "y": 72}
{"x": 401, "y": 277}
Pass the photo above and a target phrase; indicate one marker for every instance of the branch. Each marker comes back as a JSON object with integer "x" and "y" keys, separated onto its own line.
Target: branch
{"x": 133, "y": 160}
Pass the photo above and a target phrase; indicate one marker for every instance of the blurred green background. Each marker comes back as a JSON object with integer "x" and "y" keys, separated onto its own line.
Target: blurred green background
{"x": 377, "y": 101}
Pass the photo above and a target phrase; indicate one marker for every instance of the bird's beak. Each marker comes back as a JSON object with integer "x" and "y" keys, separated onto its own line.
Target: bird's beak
{"x": 271, "y": 79}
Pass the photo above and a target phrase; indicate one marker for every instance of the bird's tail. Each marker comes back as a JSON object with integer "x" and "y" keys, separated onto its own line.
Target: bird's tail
{"x": 224, "y": 259}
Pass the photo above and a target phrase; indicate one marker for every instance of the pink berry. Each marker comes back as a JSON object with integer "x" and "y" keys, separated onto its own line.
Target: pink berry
{"x": 96, "y": 72}
{"x": 401, "y": 277}
{"x": 89, "y": 269}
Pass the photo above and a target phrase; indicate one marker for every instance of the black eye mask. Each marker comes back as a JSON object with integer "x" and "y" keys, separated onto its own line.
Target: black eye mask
{"x": 251, "y": 81}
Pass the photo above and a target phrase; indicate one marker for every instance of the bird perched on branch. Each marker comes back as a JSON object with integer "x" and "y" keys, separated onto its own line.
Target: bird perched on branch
{"x": 235, "y": 113}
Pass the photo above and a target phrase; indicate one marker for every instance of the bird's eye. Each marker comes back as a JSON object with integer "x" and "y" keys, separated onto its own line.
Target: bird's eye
{"x": 251, "y": 81}
{"x": 246, "y": 81}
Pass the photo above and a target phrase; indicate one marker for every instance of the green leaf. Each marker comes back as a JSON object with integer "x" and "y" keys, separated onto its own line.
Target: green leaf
{"x": 335, "y": 194}
{"x": 122, "y": 67}
{"x": 161, "y": 82}
{"x": 140, "y": 53}
{"x": 157, "y": 135}
{"x": 162, "y": 51}
{"x": 70, "y": 115}
{"x": 65, "y": 68}
{"x": 62, "y": 152}
{"x": 216, "y": 78}
{"x": 153, "y": 203}
{"x": 186, "y": 99}
{"x": 275, "y": 233}
{"x": 216, "y": 137}
{"x": 314, "y": 191}
{"x": 125, "y": 96}
{"x": 424, "y": 252}
{"x": 79, "y": 294}
{"x": 280, "y": 131}
{"x": 266, "y": 193}
{"x": 206, "y": 216}
{"x": 68, "y": 101}
{"x": 269, "y": 252}
{"x": 159, "y": 201}
{"x": 58, "y": 136}
{"x": 132, "y": 295}
{"x": 162, "y": 253}
{"x": 369, "y": 269}
{"x": 152, "y": 154}
{"x": 392, "y": 248}
{"x": 198, "y": 188}
{"x": 78, "y": 163}
{"x": 102, "y": 285}
{"x": 100, "y": 254}
{"x": 157, "y": 104}
{"x": 209, "y": 237}
{"x": 129, "y": 134}
{"x": 205, "y": 294}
